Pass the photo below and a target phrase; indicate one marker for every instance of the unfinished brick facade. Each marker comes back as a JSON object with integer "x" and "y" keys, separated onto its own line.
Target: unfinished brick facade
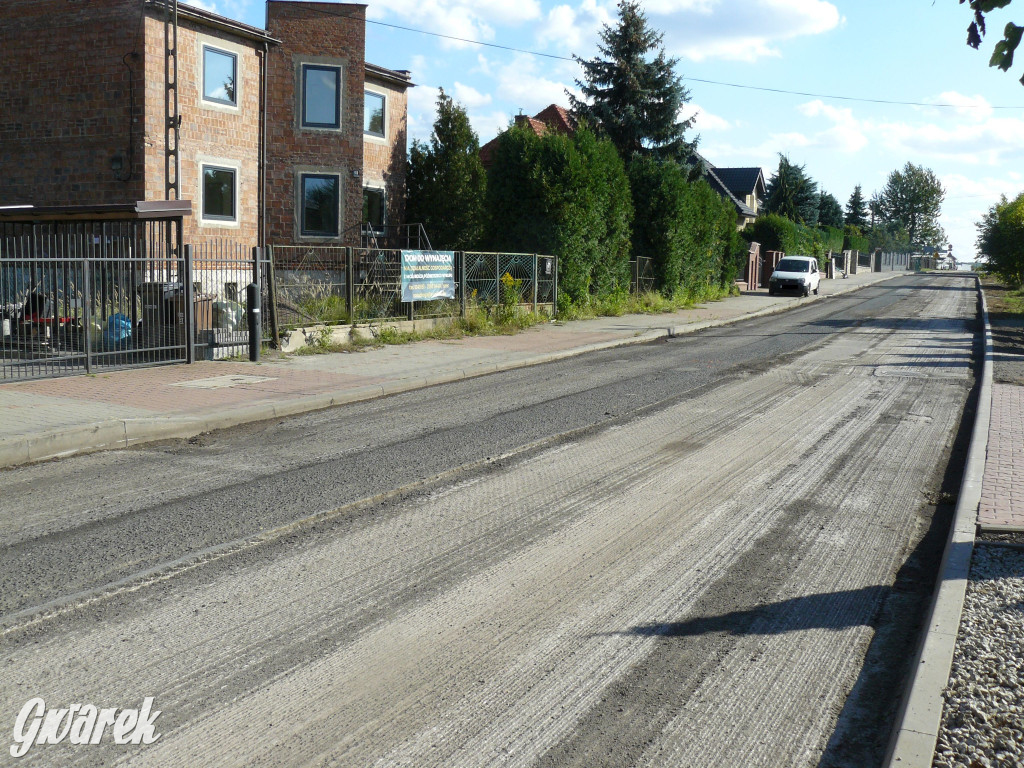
{"x": 65, "y": 101}
{"x": 82, "y": 114}
{"x": 384, "y": 157}
{"x": 211, "y": 134}
{"x": 329, "y": 36}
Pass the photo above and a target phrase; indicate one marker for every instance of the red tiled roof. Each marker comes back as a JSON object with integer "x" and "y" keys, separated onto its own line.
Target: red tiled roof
{"x": 552, "y": 117}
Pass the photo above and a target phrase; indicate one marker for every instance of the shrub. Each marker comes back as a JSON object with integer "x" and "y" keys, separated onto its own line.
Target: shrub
{"x": 567, "y": 196}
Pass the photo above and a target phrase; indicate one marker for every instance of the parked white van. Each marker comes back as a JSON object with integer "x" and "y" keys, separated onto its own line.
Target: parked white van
{"x": 795, "y": 273}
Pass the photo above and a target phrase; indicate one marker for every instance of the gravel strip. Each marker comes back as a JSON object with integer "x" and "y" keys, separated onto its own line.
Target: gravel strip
{"x": 983, "y": 716}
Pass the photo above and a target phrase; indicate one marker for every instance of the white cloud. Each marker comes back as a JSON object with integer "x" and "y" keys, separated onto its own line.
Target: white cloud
{"x": 474, "y": 20}
{"x": 973, "y": 107}
{"x": 422, "y": 112}
{"x": 470, "y": 97}
{"x": 522, "y": 85}
{"x": 741, "y": 30}
{"x": 575, "y": 30}
{"x": 991, "y": 142}
{"x": 703, "y": 120}
{"x": 488, "y": 125}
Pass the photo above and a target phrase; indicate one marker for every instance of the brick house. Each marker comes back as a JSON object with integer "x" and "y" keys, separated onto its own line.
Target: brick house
{"x": 551, "y": 118}
{"x": 272, "y": 129}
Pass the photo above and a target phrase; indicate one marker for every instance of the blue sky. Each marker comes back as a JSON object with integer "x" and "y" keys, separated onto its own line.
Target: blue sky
{"x": 894, "y": 50}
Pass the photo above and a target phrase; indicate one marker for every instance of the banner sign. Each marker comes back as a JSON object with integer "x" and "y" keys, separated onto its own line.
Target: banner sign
{"x": 428, "y": 275}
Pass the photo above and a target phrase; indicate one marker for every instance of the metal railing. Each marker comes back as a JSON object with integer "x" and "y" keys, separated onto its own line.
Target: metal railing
{"x": 220, "y": 274}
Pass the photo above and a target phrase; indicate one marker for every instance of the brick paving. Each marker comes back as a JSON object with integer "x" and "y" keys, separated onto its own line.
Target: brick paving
{"x": 1002, "y": 489}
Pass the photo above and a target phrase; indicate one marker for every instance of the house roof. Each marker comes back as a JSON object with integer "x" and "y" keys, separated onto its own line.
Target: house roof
{"x": 557, "y": 117}
{"x": 741, "y": 181}
{"x": 215, "y": 21}
{"x": 711, "y": 175}
{"x": 551, "y": 118}
{"x": 399, "y": 77}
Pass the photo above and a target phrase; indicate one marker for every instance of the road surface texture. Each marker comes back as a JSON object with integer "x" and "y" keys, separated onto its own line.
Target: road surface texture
{"x": 708, "y": 551}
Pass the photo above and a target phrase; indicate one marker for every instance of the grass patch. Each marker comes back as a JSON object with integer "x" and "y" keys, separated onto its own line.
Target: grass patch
{"x": 648, "y": 303}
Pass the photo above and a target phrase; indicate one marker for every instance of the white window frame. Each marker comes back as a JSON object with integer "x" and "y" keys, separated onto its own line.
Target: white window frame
{"x": 377, "y": 137}
{"x": 223, "y": 165}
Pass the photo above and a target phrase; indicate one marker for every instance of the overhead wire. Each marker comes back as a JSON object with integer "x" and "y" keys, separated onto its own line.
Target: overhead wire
{"x": 744, "y": 86}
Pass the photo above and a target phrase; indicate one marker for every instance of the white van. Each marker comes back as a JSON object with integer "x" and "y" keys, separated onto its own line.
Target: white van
{"x": 798, "y": 273}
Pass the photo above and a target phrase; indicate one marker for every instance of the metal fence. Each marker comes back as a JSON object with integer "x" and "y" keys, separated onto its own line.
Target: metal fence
{"x": 891, "y": 262}
{"x": 85, "y": 296}
{"x": 642, "y": 276}
{"x": 90, "y": 289}
{"x": 321, "y": 284}
{"x": 221, "y": 272}
{"x": 489, "y": 277}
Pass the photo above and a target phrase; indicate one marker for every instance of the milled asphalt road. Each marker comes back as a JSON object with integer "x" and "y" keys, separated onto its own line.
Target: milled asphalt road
{"x": 678, "y": 554}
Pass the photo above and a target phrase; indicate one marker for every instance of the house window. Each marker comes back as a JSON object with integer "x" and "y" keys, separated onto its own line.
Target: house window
{"x": 321, "y": 96}
{"x": 321, "y": 199}
{"x": 219, "y": 193}
{"x": 373, "y": 209}
{"x": 373, "y": 114}
{"x": 220, "y": 71}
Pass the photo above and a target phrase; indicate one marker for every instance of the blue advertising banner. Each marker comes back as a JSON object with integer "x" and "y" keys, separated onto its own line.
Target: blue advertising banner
{"x": 428, "y": 275}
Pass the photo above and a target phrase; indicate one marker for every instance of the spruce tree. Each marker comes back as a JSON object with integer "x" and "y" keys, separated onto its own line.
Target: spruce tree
{"x": 830, "y": 212}
{"x": 632, "y": 93}
{"x": 792, "y": 193}
{"x": 446, "y": 184}
{"x": 856, "y": 209}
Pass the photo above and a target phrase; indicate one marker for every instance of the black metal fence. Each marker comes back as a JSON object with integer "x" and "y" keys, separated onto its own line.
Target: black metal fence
{"x": 325, "y": 284}
{"x": 220, "y": 273}
{"x": 86, "y": 296}
{"x": 85, "y": 290}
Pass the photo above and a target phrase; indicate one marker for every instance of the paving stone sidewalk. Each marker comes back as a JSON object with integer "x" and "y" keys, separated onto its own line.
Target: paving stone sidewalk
{"x": 54, "y": 417}
{"x": 1002, "y": 488}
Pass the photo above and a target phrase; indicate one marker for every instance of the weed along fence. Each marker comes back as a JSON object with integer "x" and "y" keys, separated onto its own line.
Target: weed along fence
{"x": 99, "y": 288}
{"x": 322, "y": 285}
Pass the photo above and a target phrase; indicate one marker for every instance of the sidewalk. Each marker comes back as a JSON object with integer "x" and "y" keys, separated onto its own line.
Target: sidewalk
{"x": 55, "y": 417}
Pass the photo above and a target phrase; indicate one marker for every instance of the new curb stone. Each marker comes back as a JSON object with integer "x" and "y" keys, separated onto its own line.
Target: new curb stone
{"x": 920, "y": 719}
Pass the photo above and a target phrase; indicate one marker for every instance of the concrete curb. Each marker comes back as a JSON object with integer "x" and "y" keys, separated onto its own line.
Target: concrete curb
{"x": 122, "y": 433}
{"x": 920, "y": 719}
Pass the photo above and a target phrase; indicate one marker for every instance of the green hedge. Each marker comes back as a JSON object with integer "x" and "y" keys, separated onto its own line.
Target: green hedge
{"x": 567, "y": 196}
{"x": 777, "y": 233}
{"x": 686, "y": 228}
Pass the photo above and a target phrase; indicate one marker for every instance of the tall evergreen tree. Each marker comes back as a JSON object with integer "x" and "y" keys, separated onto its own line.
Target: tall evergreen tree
{"x": 632, "y": 93}
{"x": 912, "y": 198}
{"x": 445, "y": 183}
{"x": 792, "y": 193}
{"x": 830, "y": 212}
{"x": 856, "y": 209}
